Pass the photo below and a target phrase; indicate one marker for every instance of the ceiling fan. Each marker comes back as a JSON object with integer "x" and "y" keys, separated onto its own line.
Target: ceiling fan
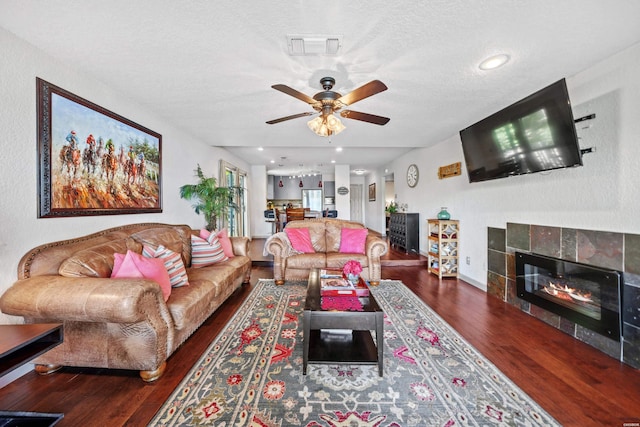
{"x": 328, "y": 102}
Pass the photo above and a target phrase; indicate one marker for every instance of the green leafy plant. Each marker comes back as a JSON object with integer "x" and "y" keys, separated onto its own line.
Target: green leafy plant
{"x": 212, "y": 201}
{"x": 392, "y": 207}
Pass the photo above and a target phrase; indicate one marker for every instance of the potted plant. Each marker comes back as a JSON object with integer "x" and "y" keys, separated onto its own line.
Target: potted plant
{"x": 392, "y": 207}
{"x": 212, "y": 201}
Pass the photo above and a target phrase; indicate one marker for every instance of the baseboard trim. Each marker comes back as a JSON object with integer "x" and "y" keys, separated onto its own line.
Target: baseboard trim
{"x": 473, "y": 282}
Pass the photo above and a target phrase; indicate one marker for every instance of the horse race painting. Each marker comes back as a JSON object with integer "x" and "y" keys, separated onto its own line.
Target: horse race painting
{"x": 93, "y": 161}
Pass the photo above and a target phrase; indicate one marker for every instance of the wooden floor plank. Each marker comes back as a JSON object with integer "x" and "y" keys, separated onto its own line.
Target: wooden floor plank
{"x": 575, "y": 383}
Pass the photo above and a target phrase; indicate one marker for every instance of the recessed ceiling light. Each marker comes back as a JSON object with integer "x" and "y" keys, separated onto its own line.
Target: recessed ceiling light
{"x": 338, "y": 149}
{"x": 333, "y": 161}
{"x": 260, "y": 148}
{"x": 494, "y": 62}
{"x": 273, "y": 161}
{"x": 358, "y": 171}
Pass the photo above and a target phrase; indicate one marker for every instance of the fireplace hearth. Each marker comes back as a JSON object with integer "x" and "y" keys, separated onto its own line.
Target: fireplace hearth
{"x": 587, "y": 295}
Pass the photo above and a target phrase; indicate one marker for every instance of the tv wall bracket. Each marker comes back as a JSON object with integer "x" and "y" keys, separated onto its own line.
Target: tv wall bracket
{"x": 583, "y": 119}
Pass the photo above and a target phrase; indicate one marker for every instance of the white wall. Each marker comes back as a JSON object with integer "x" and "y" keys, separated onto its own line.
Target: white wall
{"x": 601, "y": 195}
{"x": 343, "y": 179}
{"x": 21, "y": 229}
{"x": 258, "y": 202}
{"x": 374, "y": 211}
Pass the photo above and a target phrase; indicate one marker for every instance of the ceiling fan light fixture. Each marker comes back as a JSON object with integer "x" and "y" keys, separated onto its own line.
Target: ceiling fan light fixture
{"x": 315, "y": 125}
{"x": 328, "y": 102}
{"x": 332, "y": 121}
{"x": 337, "y": 127}
{"x": 330, "y": 125}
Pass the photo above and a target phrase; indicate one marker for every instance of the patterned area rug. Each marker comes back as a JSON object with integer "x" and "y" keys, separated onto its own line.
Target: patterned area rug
{"x": 251, "y": 375}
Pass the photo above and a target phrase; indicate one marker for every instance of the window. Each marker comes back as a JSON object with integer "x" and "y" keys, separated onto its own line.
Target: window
{"x": 237, "y": 219}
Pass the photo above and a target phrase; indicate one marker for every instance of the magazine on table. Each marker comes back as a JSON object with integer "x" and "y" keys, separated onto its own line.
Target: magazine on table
{"x": 362, "y": 290}
{"x": 326, "y": 274}
{"x": 339, "y": 286}
{"x": 336, "y": 286}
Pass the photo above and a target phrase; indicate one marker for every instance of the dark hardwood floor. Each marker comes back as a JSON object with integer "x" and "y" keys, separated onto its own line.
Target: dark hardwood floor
{"x": 575, "y": 383}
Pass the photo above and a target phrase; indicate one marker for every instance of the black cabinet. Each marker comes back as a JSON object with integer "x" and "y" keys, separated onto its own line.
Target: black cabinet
{"x": 404, "y": 231}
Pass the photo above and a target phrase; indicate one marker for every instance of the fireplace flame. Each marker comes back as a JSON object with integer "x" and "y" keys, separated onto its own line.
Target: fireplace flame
{"x": 566, "y": 293}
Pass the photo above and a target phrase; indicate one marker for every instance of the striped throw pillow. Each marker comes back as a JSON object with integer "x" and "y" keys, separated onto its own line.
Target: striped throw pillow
{"x": 207, "y": 251}
{"x": 172, "y": 262}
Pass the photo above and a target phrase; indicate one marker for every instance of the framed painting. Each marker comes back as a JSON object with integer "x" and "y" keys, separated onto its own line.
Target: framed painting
{"x": 92, "y": 161}
{"x": 372, "y": 192}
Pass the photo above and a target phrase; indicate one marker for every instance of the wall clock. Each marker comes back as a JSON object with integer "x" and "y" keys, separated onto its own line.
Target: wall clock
{"x": 412, "y": 175}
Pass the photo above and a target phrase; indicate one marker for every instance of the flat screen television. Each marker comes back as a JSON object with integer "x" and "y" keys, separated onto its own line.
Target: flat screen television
{"x": 535, "y": 134}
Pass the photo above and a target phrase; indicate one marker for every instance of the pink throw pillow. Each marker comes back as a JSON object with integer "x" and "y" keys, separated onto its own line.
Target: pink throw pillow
{"x": 223, "y": 238}
{"x": 227, "y": 247}
{"x": 352, "y": 240}
{"x": 133, "y": 265}
{"x": 300, "y": 239}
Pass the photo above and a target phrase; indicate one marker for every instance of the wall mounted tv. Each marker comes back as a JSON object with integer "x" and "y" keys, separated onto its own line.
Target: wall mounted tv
{"x": 535, "y": 134}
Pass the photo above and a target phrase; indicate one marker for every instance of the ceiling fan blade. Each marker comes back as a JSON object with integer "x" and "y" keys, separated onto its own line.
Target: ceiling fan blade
{"x": 365, "y": 91}
{"x": 282, "y": 119}
{"x": 296, "y": 94}
{"x": 364, "y": 117}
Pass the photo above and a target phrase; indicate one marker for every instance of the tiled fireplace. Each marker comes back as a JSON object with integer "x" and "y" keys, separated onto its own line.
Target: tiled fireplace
{"x": 598, "y": 255}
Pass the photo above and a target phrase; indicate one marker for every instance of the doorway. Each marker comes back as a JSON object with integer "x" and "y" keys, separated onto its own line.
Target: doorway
{"x": 389, "y": 197}
{"x": 356, "y": 202}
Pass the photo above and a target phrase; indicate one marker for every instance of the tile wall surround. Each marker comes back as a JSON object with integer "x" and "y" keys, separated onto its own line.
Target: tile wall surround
{"x": 619, "y": 251}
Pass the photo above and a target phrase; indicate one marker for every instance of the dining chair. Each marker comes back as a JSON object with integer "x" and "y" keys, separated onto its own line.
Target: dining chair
{"x": 273, "y": 216}
{"x": 295, "y": 214}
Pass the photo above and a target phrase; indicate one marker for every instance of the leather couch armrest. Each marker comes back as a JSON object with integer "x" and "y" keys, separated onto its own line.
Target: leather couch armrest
{"x": 85, "y": 299}
{"x": 375, "y": 247}
{"x": 240, "y": 245}
{"x": 279, "y": 246}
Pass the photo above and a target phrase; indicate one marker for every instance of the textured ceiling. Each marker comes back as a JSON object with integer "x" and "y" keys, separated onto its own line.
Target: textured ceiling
{"x": 208, "y": 66}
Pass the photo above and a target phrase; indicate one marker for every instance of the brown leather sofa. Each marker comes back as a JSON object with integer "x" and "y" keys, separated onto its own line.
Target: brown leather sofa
{"x": 325, "y": 234}
{"x": 119, "y": 323}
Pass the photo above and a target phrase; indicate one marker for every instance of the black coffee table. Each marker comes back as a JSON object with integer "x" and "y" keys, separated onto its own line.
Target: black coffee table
{"x": 336, "y": 336}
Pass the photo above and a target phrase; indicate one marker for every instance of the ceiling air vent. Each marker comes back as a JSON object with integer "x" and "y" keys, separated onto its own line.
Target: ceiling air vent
{"x": 300, "y": 44}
